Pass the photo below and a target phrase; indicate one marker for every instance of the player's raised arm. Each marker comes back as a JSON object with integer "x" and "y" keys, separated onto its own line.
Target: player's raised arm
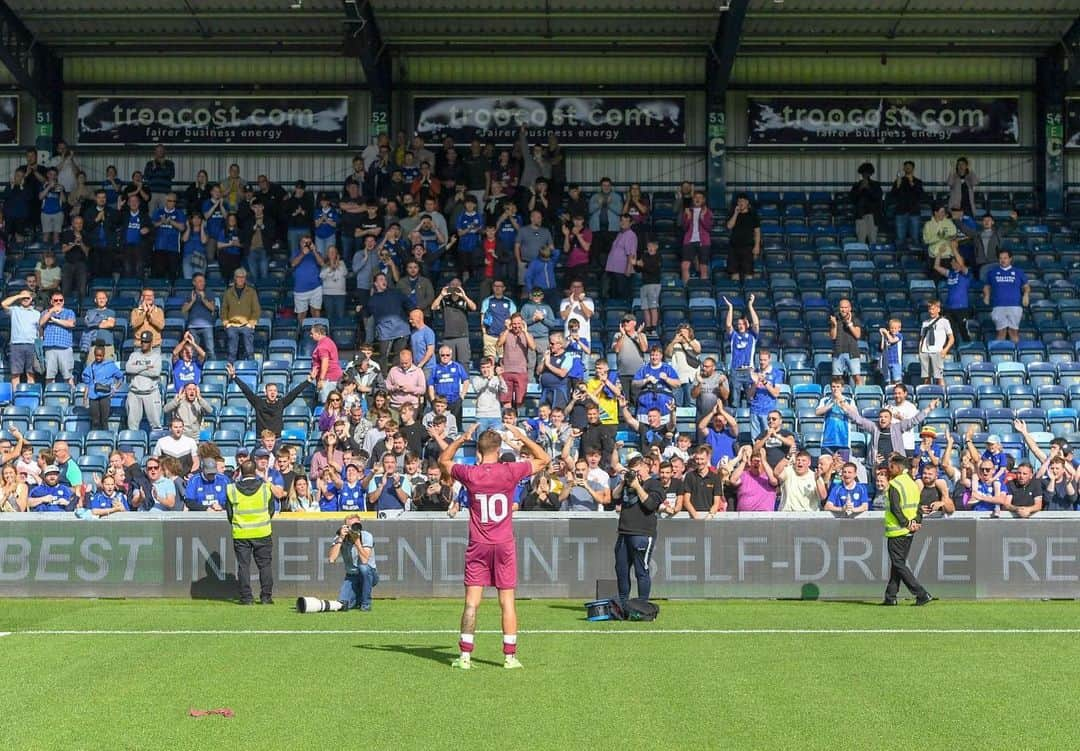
{"x": 446, "y": 458}
{"x": 538, "y": 457}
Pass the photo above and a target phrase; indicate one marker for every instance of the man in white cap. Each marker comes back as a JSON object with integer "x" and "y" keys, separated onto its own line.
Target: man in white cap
{"x": 50, "y": 495}
{"x": 994, "y": 452}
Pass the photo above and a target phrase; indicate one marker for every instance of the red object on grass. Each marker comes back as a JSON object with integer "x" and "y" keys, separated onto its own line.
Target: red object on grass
{"x": 224, "y": 712}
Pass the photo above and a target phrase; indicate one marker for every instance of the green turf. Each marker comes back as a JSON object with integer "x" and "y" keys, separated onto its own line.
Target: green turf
{"x": 677, "y": 691}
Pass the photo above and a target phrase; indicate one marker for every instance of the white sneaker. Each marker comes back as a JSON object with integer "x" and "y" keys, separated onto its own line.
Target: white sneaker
{"x": 511, "y": 663}
{"x": 461, "y": 663}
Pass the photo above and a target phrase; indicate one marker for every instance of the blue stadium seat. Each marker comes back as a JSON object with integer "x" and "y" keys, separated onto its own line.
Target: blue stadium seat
{"x": 1020, "y": 396}
{"x": 963, "y": 418}
{"x": 1011, "y": 373}
{"x": 132, "y": 439}
{"x": 1061, "y": 420}
{"x": 982, "y": 374}
{"x": 1052, "y": 397}
{"x": 39, "y": 438}
{"x": 1042, "y": 374}
{"x": 990, "y": 397}
{"x": 92, "y": 464}
{"x": 1068, "y": 373}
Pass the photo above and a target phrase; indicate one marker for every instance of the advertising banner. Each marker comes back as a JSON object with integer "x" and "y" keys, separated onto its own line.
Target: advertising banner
{"x": 574, "y": 120}
{"x": 1072, "y": 123}
{"x": 883, "y": 121}
{"x": 214, "y": 121}
{"x": 558, "y": 556}
{"x": 9, "y": 120}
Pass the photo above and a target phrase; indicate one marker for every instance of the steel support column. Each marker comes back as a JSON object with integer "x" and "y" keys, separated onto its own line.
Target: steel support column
{"x": 364, "y": 40}
{"x": 720, "y": 61}
{"x": 37, "y": 71}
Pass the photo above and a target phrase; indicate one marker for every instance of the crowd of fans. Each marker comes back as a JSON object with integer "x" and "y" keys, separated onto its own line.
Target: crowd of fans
{"x": 417, "y": 240}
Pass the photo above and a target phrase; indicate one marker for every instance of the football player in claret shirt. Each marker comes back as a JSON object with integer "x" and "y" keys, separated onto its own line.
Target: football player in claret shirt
{"x": 490, "y": 558}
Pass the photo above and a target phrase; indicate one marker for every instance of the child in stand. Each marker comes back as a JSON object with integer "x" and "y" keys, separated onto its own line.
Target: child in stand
{"x": 27, "y": 466}
{"x": 48, "y": 273}
{"x": 892, "y": 352}
{"x": 52, "y": 199}
{"x": 329, "y": 489}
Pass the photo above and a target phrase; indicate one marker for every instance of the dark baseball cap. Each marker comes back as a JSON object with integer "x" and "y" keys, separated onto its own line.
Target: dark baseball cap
{"x": 146, "y": 336}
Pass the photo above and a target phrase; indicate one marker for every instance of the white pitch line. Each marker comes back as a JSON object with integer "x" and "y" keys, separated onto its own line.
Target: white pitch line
{"x": 537, "y": 632}
{"x": 4, "y": 633}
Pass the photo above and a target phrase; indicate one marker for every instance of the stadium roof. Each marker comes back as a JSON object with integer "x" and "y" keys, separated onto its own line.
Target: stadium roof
{"x": 646, "y": 26}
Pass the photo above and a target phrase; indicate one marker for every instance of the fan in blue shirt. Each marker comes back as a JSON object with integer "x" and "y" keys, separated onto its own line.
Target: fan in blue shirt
{"x": 470, "y": 227}
{"x": 329, "y": 487}
{"x": 108, "y": 500}
{"x": 167, "y": 238}
{"x": 848, "y": 496}
{"x": 305, "y": 264}
{"x": 1006, "y": 284}
{"x": 353, "y": 494}
{"x": 656, "y": 380}
{"x": 49, "y": 495}
{"x": 447, "y": 377}
{"x": 206, "y": 491}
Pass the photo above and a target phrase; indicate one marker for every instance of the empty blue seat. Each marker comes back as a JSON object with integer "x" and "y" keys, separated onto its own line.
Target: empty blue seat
{"x": 1011, "y": 373}
{"x": 1061, "y": 420}
{"x": 1051, "y": 397}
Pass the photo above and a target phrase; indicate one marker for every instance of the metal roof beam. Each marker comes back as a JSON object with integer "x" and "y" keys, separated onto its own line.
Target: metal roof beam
{"x": 363, "y": 36}
{"x": 721, "y": 53}
{"x": 33, "y": 65}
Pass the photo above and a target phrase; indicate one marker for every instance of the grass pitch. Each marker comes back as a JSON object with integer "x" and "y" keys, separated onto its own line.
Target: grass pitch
{"x": 706, "y": 675}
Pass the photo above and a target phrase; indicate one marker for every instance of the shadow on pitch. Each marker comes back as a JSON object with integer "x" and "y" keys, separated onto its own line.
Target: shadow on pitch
{"x": 579, "y": 609}
{"x": 217, "y": 584}
{"x": 442, "y": 655}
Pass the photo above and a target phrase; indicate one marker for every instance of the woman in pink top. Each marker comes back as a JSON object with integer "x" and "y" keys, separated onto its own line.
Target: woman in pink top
{"x": 697, "y": 221}
{"x": 637, "y": 205}
{"x": 754, "y": 481}
{"x": 577, "y": 239}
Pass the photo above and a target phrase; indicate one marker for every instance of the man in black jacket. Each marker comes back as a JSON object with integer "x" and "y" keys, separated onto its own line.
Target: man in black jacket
{"x": 100, "y": 230}
{"x": 642, "y": 497}
{"x": 269, "y": 409}
{"x": 866, "y": 199}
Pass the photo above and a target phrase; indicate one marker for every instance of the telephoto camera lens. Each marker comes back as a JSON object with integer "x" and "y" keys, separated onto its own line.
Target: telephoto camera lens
{"x": 356, "y": 528}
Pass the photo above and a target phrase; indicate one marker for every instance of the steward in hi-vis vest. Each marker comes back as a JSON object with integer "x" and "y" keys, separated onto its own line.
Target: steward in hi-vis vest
{"x": 903, "y": 517}
{"x": 249, "y": 506}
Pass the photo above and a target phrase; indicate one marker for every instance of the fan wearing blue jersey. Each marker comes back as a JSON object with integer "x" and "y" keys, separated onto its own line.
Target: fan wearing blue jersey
{"x": 1007, "y": 292}
{"x": 742, "y": 334}
{"x": 353, "y": 495}
{"x": 849, "y": 496}
{"x": 836, "y": 432}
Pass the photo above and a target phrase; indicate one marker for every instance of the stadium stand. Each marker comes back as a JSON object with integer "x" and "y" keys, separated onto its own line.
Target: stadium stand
{"x": 222, "y": 299}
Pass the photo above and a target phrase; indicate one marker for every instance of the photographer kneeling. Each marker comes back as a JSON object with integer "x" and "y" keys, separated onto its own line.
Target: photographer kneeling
{"x": 356, "y": 548}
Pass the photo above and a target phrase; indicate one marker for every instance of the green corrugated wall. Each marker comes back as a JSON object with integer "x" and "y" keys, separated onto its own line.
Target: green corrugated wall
{"x": 106, "y": 70}
{"x": 867, "y": 70}
{"x": 477, "y": 70}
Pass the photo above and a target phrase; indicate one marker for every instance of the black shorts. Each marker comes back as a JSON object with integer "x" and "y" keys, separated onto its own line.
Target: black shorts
{"x": 695, "y": 253}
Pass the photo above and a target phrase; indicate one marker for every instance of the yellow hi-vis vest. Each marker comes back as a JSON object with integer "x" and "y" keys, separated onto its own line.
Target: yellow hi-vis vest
{"x": 250, "y": 515}
{"x": 909, "y": 504}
